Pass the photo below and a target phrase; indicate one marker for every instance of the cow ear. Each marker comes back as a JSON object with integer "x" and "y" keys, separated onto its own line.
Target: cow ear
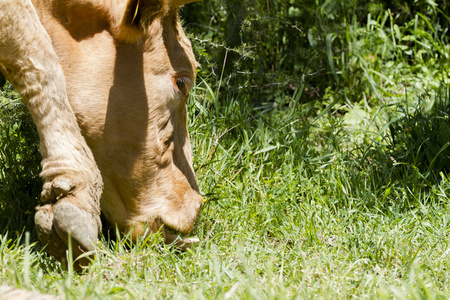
{"x": 133, "y": 12}
{"x": 125, "y": 20}
{"x": 131, "y": 15}
{"x": 177, "y": 3}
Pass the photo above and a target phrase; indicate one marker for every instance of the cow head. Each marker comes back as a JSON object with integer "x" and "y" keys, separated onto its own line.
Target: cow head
{"x": 129, "y": 69}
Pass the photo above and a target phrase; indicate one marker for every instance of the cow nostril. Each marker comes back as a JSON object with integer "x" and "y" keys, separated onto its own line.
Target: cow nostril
{"x": 168, "y": 141}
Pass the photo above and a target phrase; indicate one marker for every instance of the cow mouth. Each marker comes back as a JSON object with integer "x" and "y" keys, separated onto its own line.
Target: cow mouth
{"x": 171, "y": 237}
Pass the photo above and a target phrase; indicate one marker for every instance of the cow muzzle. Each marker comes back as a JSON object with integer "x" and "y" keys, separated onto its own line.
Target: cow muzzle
{"x": 175, "y": 219}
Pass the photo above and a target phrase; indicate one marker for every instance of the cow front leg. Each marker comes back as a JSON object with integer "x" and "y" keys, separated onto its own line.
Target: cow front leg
{"x": 73, "y": 184}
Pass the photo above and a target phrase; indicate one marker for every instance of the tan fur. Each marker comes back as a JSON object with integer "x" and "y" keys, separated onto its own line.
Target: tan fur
{"x": 119, "y": 82}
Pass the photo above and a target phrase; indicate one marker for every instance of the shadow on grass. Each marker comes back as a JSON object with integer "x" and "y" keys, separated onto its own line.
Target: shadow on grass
{"x": 410, "y": 167}
{"x": 421, "y": 140}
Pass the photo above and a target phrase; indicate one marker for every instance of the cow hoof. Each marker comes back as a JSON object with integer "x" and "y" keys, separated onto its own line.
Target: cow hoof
{"x": 82, "y": 227}
{"x": 56, "y": 189}
{"x": 47, "y": 234}
{"x": 54, "y": 225}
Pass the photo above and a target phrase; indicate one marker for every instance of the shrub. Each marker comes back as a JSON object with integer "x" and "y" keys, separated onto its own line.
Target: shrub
{"x": 20, "y": 184}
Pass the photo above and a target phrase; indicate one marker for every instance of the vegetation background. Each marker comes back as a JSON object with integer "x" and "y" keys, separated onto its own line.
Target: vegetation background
{"x": 321, "y": 137}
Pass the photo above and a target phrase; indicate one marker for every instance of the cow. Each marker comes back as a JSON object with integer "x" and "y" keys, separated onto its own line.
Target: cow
{"x": 106, "y": 83}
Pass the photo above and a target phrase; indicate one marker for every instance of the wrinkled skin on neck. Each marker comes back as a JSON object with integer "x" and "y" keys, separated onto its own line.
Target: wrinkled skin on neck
{"x": 128, "y": 78}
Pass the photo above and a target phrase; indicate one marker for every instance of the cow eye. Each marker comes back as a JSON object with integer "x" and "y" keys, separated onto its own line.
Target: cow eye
{"x": 181, "y": 85}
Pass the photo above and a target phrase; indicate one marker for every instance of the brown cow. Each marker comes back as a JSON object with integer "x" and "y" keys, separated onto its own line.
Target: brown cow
{"x": 106, "y": 82}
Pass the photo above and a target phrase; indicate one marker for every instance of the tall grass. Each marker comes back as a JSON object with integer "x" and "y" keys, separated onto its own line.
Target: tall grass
{"x": 344, "y": 196}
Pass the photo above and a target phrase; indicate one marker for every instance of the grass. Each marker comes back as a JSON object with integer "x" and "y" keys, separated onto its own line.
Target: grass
{"x": 333, "y": 198}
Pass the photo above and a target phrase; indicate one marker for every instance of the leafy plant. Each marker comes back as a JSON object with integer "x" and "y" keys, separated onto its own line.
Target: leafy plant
{"x": 19, "y": 163}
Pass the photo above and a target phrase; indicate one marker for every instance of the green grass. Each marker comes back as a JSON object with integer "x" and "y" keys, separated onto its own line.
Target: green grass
{"x": 345, "y": 196}
{"x": 293, "y": 212}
